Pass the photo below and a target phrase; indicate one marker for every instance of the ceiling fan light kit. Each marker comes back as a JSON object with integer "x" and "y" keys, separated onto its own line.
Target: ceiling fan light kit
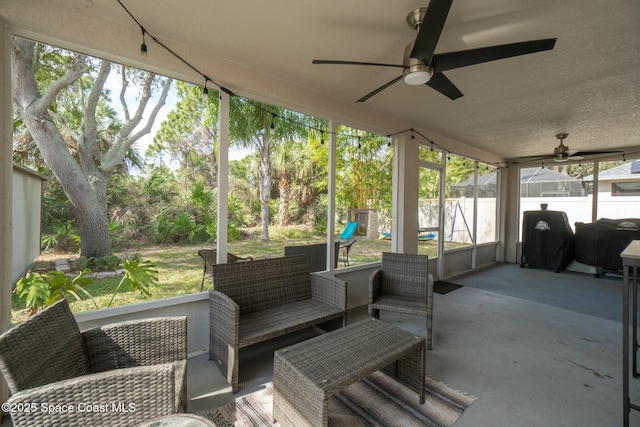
{"x": 415, "y": 72}
{"x": 421, "y": 65}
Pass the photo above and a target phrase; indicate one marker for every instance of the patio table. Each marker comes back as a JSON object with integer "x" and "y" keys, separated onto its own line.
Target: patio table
{"x": 307, "y": 374}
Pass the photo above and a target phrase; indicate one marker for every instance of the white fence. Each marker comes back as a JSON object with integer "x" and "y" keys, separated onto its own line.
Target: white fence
{"x": 459, "y": 213}
{"x": 578, "y": 209}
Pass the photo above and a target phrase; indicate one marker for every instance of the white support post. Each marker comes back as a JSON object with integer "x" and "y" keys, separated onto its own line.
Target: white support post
{"x": 397, "y": 181}
{"x": 405, "y": 196}
{"x": 223, "y": 177}
{"x": 6, "y": 167}
{"x": 331, "y": 205}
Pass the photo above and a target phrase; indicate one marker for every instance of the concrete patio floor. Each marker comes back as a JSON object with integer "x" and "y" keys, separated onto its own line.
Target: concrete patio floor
{"x": 537, "y": 348}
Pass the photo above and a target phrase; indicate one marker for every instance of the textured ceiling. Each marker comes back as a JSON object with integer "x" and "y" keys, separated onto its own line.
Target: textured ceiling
{"x": 588, "y": 85}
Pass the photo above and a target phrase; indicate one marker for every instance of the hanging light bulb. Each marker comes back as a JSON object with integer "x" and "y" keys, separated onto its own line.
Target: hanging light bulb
{"x": 205, "y": 91}
{"x": 359, "y": 145}
{"x": 389, "y": 140}
{"x": 322, "y": 138}
{"x": 412, "y": 135}
{"x": 143, "y": 46}
{"x": 272, "y": 128}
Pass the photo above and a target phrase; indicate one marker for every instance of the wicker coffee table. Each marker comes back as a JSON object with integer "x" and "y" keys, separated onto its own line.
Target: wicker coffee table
{"x": 307, "y": 374}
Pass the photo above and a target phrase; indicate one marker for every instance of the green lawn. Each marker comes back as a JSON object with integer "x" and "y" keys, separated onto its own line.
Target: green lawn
{"x": 180, "y": 267}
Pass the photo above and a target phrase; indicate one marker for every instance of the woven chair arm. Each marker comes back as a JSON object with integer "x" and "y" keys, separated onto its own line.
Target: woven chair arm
{"x": 430, "y": 291}
{"x": 329, "y": 290}
{"x": 375, "y": 282}
{"x": 123, "y": 397}
{"x": 141, "y": 342}
{"x": 224, "y": 318}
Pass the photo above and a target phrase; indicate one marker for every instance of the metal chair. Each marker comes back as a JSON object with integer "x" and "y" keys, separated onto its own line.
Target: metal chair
{"x": 47, "y": 360}
{"x": 403, "y": 285}
{"x": 210, "y": 256}
{"x": 345, "y": 248}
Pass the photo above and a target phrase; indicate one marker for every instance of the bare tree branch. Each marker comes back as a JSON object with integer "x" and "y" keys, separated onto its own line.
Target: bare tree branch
{"x": 154, "y": 112}
{"x": 89, "y": 130}
{"x": 117, "y": 152}
{"x": 124, "y": 83}
{"x": 78, "y": 68}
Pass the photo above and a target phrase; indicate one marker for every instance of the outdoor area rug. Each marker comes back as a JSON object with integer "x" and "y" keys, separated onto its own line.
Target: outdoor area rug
{"x": 378, "y": 400}
{"x": 442, "y": 287}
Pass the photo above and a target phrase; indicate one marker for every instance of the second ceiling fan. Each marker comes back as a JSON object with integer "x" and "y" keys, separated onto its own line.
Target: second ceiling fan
{"x": 422, "y": 66}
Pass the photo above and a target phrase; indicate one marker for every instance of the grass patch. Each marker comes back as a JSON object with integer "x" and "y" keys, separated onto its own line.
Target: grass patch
{"x": 180, "y": 267}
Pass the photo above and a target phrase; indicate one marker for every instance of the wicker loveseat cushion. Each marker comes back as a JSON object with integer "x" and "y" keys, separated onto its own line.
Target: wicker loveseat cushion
{"x": 53, "y": 342}
{"x": 264, "y": 325}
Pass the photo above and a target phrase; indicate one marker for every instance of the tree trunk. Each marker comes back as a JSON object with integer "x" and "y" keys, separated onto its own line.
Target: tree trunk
{"x": 30, "y": 106}
{"x": 264, "y": 179}
{"x": 85, "y": 182}
{"x": 93, "y": 222}
{"x": 284, "y": 187}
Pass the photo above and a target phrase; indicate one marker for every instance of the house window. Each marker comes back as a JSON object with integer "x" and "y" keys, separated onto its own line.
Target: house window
{"x": 625, "y": 188}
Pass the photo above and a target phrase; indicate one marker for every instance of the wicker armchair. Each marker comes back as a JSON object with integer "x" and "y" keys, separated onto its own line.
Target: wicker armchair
{"x": 209, "y": 257}
{"x": 403, "y": 285}
{"x": 116, "y": 375}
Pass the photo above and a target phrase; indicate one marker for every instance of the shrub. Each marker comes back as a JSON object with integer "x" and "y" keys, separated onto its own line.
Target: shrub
{"x": 41, "y": 290}
{"x": 62, "y": 238}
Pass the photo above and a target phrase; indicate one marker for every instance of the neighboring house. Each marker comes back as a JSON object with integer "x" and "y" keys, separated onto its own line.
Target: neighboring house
{"x": 26, "y": 216}
{"x": 534, "y": 182}
{"x": 623, "y": 180}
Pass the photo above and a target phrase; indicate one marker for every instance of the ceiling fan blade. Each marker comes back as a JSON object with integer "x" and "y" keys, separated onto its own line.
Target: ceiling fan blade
{"x": 464, "y": 58}
{"x": 532, "y": 159}
{"x": 592, "y": 153}
{"x": 568, "y": 158}
{"x": 430, "y": 30}
{"x": 380, "y": 89}
{"x": 377, "y": 64}
{"x": 442, "y": 84}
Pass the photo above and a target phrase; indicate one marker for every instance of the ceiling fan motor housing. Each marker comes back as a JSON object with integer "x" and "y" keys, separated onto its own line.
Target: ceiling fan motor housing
{"x": 415, "y": 72}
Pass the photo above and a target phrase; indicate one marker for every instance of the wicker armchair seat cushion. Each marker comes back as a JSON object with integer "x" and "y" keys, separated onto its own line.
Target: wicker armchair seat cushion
{"x": 264, "y": 325}
{"x": 400, "y": 304}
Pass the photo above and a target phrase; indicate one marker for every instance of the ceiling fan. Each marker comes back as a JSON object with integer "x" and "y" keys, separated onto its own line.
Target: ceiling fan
{"x": 562, "y": 153}
{"x": 422, "y": 66}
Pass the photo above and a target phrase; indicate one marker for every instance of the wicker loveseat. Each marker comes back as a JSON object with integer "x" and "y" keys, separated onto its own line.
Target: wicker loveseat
{"x": 116, "y": 375}
{"x": 257, "y": 300}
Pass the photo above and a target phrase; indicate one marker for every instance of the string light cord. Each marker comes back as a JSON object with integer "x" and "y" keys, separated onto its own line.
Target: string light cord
{"x": 258, "y": 106}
